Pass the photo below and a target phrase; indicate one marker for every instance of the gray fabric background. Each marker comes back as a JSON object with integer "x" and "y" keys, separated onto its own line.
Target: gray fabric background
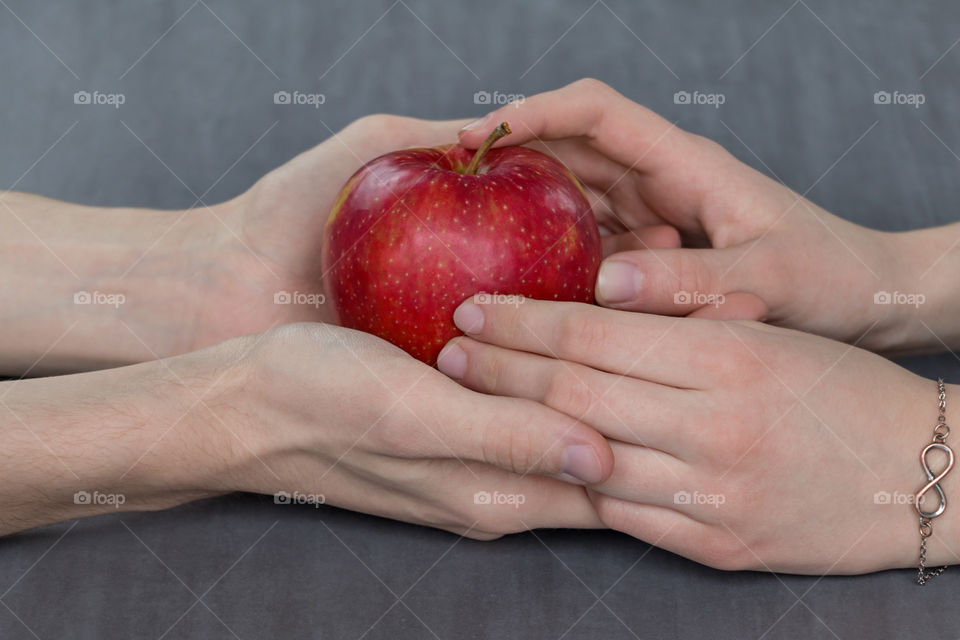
{"x": 799, "y": 98}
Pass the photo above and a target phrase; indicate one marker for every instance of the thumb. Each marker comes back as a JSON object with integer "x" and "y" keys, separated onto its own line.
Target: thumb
{"x": 678, "y": 282}
{"x": 526, "y": 437}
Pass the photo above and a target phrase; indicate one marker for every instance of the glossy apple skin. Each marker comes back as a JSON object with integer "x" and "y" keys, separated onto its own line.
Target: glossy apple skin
{"x": 410, "y": 237}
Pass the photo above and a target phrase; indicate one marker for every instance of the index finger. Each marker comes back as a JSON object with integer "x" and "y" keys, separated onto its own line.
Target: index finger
{"x": 621, "y": 129}
{"x": 656, "y": 348}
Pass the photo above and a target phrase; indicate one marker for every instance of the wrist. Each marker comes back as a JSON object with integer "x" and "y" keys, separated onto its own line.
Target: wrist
{"x": 101, "y": 287}
{"x": 125, "y": 439}
{"x": 166, "y": 272}
{"x": 273, "y": 418}
{"x": 894, "y": 520}
{"x": 943, "y": 547}
{"x": 232, "y": 427}
{"x": 918, "y": 298}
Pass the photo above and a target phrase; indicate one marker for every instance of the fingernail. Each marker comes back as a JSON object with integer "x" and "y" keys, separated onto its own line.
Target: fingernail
{"x": 452, "y": 361}
{"x": 580, "y": 461}
{"x": 472, "y": 126}
{"x": 618, "y": 282}
{"x": 469, "y": 318}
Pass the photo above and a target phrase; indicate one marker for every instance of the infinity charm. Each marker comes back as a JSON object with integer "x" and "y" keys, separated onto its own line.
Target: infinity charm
{"x": 934, "y": 480}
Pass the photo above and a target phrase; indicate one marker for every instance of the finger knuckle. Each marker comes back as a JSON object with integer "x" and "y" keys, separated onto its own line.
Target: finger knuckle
{"x": 495, "y": 523}
{"x": 709, "y": 147}
{"x": 270, "y": 350}
{"x": 721, "y": 550}
{"x": 509, "y": 448}
{"x": 478, "y": 535}
{"x": 579, "y": 333}
{"x": 724, "y": 357}
{"x": 568, "y": 392}
{"x": 733, "y": 442}
{"x": 598, "y": 96}
{"x": 592, "y": 86}
{"x": 612, "y": 514}
{"x": 509, "y": 320}
{"x": 692, "y": 275}
{"x": 371, "y": 123}
{"x": 284, "y": 336}
{"x": 456, "y": 515}
{"x": 490, "y": 370}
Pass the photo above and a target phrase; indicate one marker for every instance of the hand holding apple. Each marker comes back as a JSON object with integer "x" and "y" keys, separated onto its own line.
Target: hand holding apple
{"x": 774, "y": 254}
{"x": 414, "y": 232}
{"x": 322, "y": 409}
{"x": 306, "y": 409}
{"x": 269, "y": 238}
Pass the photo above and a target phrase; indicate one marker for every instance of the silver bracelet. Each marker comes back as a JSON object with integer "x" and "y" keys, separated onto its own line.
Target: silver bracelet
{"x": 940, "y": 433}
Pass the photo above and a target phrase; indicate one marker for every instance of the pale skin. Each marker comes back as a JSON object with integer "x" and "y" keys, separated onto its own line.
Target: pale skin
{"x": 393, "y": 437}
{"x": 596, "y": 416}
{"x": 797, "y": 432}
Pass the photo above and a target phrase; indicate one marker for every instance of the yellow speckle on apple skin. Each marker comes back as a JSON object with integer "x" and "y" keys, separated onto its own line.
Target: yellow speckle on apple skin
{"x": 341, "y": 198}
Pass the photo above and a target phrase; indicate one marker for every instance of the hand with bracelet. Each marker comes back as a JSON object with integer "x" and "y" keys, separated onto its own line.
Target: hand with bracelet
{"x": 314, "y": 408}
{"x": 737, "y": 444}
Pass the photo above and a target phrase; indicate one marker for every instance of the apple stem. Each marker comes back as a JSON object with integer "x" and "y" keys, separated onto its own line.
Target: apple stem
{"x": 503, "y": 129}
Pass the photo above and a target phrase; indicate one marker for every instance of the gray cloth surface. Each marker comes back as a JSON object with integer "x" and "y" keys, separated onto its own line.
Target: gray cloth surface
{"x": 797, "y": 102}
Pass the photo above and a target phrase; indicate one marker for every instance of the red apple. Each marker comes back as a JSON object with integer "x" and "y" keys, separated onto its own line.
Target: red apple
{"x": 415, "y": 232}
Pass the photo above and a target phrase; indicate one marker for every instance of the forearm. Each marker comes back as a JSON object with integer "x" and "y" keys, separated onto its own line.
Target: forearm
{"x": 924, "y": 296}
{"x": 126, "y": 439}
{"x": 86, "y": 287}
